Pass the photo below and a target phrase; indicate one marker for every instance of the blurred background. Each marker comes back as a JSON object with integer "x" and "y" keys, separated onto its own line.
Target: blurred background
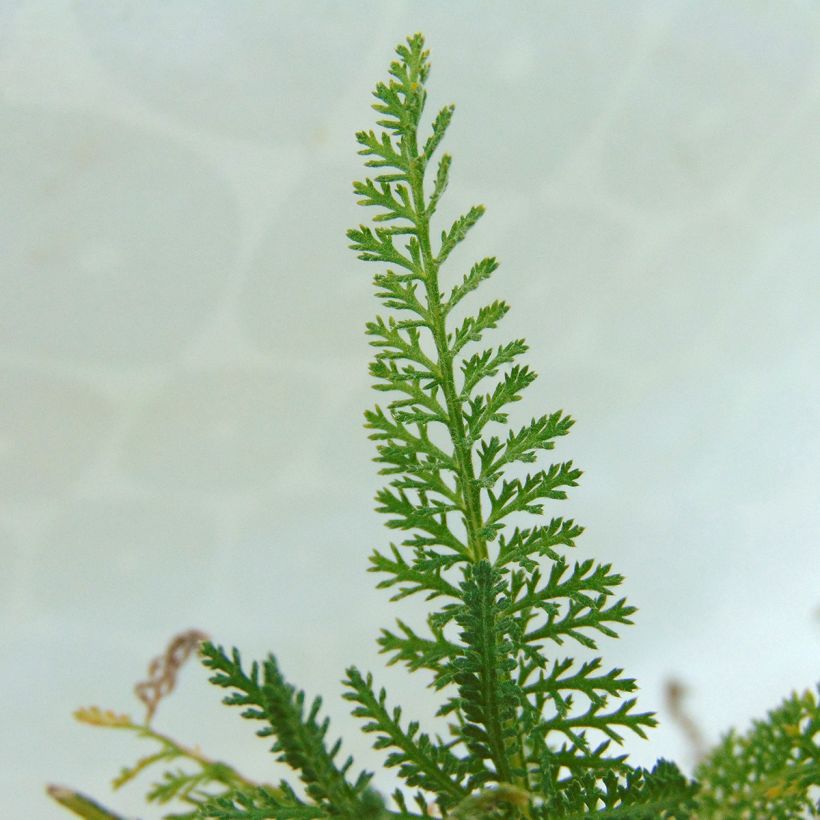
{"x": 183, "y": 365}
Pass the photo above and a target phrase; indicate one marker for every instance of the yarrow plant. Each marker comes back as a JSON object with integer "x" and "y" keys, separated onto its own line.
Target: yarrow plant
{"x": 528, "y": 730}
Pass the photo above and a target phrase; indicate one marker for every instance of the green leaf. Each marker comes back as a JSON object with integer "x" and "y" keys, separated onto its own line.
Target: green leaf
{"x": 771, "y": 771}
{"x": 487, "y": 408}
{"x": 381, "y": 147}
{"x": 521, "y": 445}
{"x": 458, "y": 232}
{"x": 472, "y": 328}
{"x": 440, "y": 186}
{"x": 521, "y": 716}
{"x": 539, "y": 541}
{"x": 421, "y": 761}
{"x": 262, "y": 804}
{"x": 423, "y": 575}
{"x": 436, "y": 654}
{"x": 638, "y": 795}
{"x": 394, "y": 199}
{"x": 487, "y": 363}
{"x": 400, "y": 293}
{"x": 579, "y": 616}
{"x": 487, "y": 695}
{"x": 300, "y": 740}
{"x": 440, "y": 125}
{"x": 596, "y": 687}
{"x": 430, "y": 517}
{"x": 376, "y": 245}
{"x": 480, "y": 272}
{"x": 585, "y": 584}
{"x": 524, "y": 495}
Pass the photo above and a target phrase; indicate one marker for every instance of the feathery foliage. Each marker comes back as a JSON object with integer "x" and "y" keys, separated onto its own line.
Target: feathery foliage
{"x": 530, "y": 731}
{"x": 300, "y": 739}
{"x": 460, "y": 505}
{"x": 195, "y": 780}
{"x": 772, "y": 771}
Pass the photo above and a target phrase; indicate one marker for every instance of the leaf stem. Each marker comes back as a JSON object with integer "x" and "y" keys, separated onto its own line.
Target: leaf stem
{"x": 463, "y": 454}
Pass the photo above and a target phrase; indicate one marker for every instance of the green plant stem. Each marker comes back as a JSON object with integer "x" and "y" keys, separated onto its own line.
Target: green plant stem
{"x": 463, "y": 454}
{"x": 192, "y": 754}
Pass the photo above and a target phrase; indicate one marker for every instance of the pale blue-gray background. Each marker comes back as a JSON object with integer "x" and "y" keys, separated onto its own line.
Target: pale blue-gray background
{"x": 183, "y": 364}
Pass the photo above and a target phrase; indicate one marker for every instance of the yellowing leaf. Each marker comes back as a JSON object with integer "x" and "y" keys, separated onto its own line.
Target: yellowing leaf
{"x": 95, "y": 716}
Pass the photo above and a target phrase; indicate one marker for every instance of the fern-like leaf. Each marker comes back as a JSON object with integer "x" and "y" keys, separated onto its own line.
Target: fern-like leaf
{"x": 638, "y": 794}
{"x": 771, "y": 771}
{"x": 300, "y": 739}
{"x": 421, "y": 761}
{"x": 487, "y": 694}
